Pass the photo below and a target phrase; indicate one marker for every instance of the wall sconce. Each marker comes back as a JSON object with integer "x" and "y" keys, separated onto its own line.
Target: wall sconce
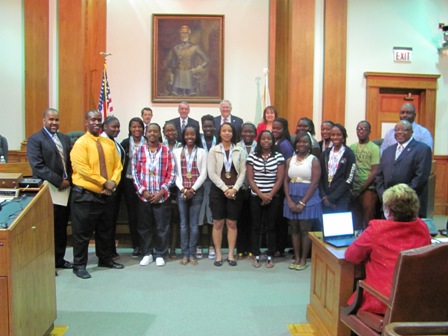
{"x": 443, "y": 50}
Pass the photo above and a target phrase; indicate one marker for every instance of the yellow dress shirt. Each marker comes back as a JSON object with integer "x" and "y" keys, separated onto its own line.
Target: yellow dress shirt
{"x": 86, "y": 163}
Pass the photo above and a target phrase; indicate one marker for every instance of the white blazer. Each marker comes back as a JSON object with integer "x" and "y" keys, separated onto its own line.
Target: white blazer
{"x": 201, "y": 163}
{"x": 216, "y": 162}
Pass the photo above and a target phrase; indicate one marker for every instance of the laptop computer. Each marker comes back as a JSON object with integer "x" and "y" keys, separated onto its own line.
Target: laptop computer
{"x": 337, "y": 229}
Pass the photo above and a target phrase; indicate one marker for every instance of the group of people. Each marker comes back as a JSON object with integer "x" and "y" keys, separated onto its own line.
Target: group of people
{"x": 188, "y": 179}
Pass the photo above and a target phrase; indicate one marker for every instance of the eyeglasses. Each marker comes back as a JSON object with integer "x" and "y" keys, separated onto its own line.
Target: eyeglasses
{"x": 362, "y": 129}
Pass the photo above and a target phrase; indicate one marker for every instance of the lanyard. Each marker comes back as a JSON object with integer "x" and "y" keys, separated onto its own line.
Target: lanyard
{"x": 189, "y": 158}
{"x": 227, "y": 160}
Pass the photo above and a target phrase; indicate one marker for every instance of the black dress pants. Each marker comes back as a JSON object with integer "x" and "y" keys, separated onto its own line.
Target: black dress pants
{"x": 91, "y": 213}
{"x": 61, "y": 214}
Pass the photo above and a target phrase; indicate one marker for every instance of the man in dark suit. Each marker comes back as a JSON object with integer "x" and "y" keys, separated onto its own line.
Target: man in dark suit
{"x": 48, "y": 153}
{"x": 225, "y": 108}
{"x": 408, "y": 161}
{"x": 183, "y": 120}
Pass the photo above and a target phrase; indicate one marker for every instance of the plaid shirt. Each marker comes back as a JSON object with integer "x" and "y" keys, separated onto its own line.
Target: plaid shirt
{"x": 188, "y": 182}
{"x": 164, "y": 172}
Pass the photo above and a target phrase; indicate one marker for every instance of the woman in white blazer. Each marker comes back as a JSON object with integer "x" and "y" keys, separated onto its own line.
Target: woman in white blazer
{"x": 226, "y": 170}
{"x": 191, "y": 172}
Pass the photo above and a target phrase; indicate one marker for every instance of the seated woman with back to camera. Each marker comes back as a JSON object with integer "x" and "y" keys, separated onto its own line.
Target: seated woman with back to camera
{"x": 381, "y": 243}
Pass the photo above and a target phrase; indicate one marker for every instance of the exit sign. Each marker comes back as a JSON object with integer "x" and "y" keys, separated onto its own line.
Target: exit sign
{"x": 402, "y": 54}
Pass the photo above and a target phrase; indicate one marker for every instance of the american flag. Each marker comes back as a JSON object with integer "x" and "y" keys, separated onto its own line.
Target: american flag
{"x": 105, "y": 102}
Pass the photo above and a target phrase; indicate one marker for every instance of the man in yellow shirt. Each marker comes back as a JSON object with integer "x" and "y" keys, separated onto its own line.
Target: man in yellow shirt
{"x": 96, "y": 174}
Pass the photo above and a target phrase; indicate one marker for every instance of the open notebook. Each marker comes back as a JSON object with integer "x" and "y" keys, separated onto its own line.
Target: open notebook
{"x": 337, "y": 229}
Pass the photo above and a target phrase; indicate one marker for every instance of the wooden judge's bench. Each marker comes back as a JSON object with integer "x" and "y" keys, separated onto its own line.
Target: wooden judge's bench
{"x": 27, "y": 273}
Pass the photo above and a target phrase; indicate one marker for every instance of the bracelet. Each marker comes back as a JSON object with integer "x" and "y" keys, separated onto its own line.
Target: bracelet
{"x": 301, "y": 203}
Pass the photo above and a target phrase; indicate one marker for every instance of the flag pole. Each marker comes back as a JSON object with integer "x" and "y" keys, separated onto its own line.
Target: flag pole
{"x": 266, "y": 94}
{"x": 106, "y": 55}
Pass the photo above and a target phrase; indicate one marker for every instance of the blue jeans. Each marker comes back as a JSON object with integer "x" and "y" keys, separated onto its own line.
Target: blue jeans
{"x": 189, "y": 222}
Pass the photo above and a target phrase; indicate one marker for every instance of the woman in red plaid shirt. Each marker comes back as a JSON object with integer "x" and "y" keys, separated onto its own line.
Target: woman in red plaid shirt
{"x": 154, "y": 172}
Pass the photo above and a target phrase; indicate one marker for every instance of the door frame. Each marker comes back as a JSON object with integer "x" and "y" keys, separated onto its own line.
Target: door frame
{"x": 427, "y": 83}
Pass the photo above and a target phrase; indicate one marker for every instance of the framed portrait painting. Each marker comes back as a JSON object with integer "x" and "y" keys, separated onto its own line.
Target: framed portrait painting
{"x": 187, "y": 59}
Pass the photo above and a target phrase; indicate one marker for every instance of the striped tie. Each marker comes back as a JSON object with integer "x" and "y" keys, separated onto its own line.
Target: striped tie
{"x": 183, "y": 125}
{"x": 398, "y": 151}
{"x": 58, "y": 144}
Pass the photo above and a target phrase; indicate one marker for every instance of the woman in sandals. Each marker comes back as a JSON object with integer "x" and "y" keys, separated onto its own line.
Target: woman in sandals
{"x": 191, "y": 172}
{"x": 302, "y": 204}
{"x": 227, "y": 170}
{"x": 265, "y": 171}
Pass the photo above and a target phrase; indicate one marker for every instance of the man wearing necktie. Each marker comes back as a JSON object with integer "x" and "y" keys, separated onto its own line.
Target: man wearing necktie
{"x": 408, "y": 161}
{"x": 48, "y": 152}
{"x": 183, "y": 120}
{"x": 146, "y": 117}
{"x": 225, "y": 107}
{"x": 96, "y": 174}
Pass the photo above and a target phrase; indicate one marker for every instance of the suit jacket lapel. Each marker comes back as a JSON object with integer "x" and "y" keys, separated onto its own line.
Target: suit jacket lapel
{"x": 406, "y": 150}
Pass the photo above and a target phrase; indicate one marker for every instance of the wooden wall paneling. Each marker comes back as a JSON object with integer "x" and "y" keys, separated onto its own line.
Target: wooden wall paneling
{"x": 279, "y": 52}
{"x": 441, "y": 193}
{"x": 82, "y": 36}
{"x": 335, "y": 59}
{"x": 301, "y": 62}
{"x": 36, "y": 17}
{"x": 272, "y": 47}
{"x": 291, "y": 58}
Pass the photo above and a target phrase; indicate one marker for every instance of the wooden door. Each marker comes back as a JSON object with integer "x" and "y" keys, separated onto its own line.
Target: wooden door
{"x": 421, "y": 86}
{"x": 390, "y": 103}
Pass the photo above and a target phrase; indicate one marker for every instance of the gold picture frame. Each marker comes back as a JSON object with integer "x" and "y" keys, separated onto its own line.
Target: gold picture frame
{"x": 188, "y": 58}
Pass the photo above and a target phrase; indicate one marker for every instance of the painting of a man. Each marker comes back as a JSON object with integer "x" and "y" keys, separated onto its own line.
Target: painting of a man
{"x": 186, "y": 66}
{"x": 188, "y": 58}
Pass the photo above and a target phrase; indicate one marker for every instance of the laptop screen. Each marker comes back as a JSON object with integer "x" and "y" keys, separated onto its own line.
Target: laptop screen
{"x": 337, "y": 224}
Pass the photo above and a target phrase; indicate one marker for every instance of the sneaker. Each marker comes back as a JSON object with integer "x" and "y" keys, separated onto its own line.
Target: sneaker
{"x": 198, "y": 252}
{"x": 146, "y": 260}
{"x": 211, "y": 252}
{"x": 160, "y": 261}
{"x": 135, "y": 253}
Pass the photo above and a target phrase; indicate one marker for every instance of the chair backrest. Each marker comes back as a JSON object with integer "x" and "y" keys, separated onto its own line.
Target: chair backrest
{"x": 420, "y": 286}
{"x": 74, "y": 136}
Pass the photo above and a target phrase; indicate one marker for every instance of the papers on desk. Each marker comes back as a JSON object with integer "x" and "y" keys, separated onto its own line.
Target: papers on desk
{"x": 59, "y": 197}
{"x": 439, "y": 240}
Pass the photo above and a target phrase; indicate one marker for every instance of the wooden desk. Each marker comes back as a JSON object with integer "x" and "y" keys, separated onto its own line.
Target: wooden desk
{"x": 332, "y": 283}
{"x": 27, "y": 283}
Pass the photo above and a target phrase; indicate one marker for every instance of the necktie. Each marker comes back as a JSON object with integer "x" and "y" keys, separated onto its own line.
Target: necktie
{"x": 224, "y": 120}
{"x": 183, "y": 125}
{"x": 58, "y": 144}
{"x": 103, "y": 169}
{"x": 398, "y": 151}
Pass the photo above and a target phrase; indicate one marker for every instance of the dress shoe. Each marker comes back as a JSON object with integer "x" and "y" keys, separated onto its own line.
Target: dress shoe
{"x": 65, "y": 265}
{"x": 110, "y": 264}
{"x": 135, "y": 253}
{"x": 82, "y": 273}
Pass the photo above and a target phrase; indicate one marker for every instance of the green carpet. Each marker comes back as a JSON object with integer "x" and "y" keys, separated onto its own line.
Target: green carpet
{"x": 182, "y": 300}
